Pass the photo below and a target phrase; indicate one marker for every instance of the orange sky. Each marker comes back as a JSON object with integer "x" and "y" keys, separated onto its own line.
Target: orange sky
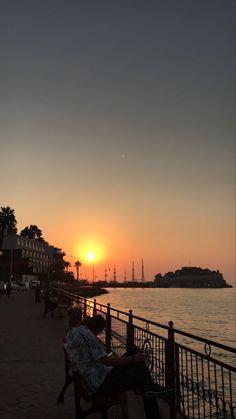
{"x": 118, "y": 126}
{"x": 163, "y": 236}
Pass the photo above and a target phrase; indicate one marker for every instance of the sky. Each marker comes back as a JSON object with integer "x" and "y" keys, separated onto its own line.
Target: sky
{"x": 117, "y": 130}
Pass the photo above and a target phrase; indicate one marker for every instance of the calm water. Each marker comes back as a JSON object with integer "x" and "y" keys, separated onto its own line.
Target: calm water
{"x": 203, "y": 312}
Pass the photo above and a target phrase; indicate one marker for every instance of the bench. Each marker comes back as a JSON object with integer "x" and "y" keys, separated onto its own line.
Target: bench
{"x": 69, "y": 378}
{"x": 84, "y": 406}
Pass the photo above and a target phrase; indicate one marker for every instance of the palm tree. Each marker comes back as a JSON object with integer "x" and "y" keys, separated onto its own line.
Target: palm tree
{"x": 67, "y": 265}
{"x": 8, "y": 220}
{"x": 77, "y": 265}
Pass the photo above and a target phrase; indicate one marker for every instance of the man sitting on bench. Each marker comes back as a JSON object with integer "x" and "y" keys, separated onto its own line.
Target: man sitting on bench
{"x": 106, "y": 375}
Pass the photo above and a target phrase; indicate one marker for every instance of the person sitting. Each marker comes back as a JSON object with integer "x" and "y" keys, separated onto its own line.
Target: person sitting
{"x": 106, "y": 375}
{"x": 74, "y": 315}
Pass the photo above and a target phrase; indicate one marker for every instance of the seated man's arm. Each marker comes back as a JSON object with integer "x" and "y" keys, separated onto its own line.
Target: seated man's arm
{"x": 128, "y": 360}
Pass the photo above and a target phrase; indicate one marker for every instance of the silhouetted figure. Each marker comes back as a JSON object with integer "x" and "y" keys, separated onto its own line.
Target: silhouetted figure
{"x": 8, "y": 290}
{"x": 51, "y": 303}
{"x": 74, "y": 316}
{"x": 37, "y": 293}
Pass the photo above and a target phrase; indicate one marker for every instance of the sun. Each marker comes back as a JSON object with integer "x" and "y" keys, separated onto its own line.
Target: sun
{"x": 91, "y": 250}
{"x": 91, "y": 256}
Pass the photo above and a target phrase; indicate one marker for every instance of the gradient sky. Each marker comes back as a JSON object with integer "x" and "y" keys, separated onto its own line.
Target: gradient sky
{"x": 118, "y": 129}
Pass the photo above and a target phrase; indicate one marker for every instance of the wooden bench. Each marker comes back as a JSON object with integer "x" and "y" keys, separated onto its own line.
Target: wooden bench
{"x": 84, "y": 406}
{"x": 69, "y": 378}
{"x": 93, "y": 404}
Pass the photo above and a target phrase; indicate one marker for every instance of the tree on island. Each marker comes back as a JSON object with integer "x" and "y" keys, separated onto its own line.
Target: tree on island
{"x": 8, "y": 220}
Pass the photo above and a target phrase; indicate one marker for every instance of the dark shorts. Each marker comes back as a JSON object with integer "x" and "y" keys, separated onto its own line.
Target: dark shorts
{"x": 136, "y": 377}
{"x": 128, "y": 378}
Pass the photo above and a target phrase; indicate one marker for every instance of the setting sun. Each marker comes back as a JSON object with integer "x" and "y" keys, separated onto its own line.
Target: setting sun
{"x": 90, "y": 250}
{"x": 91, "y": 256}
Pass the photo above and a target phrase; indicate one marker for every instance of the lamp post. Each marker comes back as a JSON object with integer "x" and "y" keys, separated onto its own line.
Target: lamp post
{"x": 91, "y": 256}
{"x": 93, "y": 273}
{"x": 93, "y": 270}
{"x": 11, "y": 265}
{"x": 1, "y": 253}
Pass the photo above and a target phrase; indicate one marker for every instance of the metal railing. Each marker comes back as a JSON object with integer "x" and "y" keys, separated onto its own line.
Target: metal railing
{"x": 201, "y": 372}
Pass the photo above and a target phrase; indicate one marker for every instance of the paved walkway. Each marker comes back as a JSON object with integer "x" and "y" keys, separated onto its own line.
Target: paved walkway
{"x": 32, "y": 365}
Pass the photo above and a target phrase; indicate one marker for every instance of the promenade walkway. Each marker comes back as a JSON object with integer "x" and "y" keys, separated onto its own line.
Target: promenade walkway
{"x": 32, "y": 365}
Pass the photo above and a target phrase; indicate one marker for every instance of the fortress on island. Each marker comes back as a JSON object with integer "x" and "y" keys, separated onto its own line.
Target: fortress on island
{"x": 191, "y": 277}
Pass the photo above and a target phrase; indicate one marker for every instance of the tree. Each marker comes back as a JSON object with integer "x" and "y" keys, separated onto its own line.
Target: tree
{"x": 67, "y": 265}
{"x": 8, "y": 220}
{"x": 58, "y": 262}
{"x": 32, "y": 232}
{"x": 77, "y": 265}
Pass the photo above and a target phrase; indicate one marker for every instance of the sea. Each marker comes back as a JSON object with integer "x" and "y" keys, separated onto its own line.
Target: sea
{"x": 208, "y": 313}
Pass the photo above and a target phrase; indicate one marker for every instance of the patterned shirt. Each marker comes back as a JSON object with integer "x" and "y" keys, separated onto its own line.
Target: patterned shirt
{"x": 85, "y": 353}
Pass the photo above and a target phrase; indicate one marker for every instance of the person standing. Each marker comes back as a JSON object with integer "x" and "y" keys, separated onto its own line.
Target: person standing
{"x": 8, "y": 289}
{"x": 51, "y": 303}
{"x": 37, "y": 293}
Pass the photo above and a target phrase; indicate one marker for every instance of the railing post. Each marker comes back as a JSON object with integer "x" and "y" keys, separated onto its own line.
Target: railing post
{"x": 85, "y": 307}
{"x": 94, "y": 307}
{"x": 177, "y": 372}
{"x": 108, "y": 328}
{"x": 170, "y": 368}
{"x": 130, "y": 332}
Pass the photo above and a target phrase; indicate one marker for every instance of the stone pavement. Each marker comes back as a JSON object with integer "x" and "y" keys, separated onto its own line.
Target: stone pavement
{"x": 32, "y": 364}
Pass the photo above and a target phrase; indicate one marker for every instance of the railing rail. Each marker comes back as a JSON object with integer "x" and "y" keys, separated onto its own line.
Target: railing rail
{"x": 203, "y": 384}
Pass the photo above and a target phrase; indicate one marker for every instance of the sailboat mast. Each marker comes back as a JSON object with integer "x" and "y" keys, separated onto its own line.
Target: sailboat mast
{"x": 142, "y": 271}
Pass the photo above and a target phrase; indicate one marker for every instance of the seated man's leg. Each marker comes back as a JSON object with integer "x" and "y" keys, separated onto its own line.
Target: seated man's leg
{"x": 137, "y": 377}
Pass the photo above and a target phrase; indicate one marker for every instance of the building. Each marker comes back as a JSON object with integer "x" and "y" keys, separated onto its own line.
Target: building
{"x": 23, "y": 256}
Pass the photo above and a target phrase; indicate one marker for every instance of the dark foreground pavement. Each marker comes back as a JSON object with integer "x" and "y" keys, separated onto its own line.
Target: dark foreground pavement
{"x": 32, "y": 365}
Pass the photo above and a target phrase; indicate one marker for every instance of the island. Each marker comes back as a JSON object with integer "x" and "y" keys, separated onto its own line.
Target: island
{"x": 191, "y": 277}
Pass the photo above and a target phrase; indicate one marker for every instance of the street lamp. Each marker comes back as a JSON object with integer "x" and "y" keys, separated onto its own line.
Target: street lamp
{"x": 1, "y": 252}
{"x": 11, "y": 265}
{"x": 93, "y": 273}
{"x": 91, "y": 258}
